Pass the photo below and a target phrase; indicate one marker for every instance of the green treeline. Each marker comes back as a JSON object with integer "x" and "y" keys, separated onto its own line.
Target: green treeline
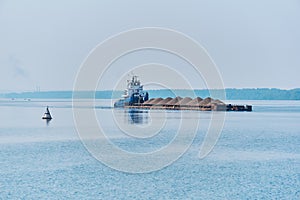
{"x": 231, "y": 94}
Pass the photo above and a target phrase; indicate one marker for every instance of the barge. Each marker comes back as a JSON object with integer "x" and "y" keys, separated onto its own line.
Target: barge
{"x": 135, "y": 97}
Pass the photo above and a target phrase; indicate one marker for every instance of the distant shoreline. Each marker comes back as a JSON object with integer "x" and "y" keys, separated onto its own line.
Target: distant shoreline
{"x": 231, "y": 94}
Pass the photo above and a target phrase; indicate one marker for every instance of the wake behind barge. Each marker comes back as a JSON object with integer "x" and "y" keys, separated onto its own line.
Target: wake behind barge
{"x": 135, "y": 97}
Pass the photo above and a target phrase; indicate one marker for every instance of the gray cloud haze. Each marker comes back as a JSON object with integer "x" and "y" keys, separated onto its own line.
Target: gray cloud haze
{"x": 254, "y": 43}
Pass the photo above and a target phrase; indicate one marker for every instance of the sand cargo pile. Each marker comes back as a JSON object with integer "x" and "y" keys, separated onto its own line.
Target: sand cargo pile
{"x": 187, "y": 103}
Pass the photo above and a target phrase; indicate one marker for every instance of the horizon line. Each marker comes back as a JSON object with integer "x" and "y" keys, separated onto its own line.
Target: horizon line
{"x": 41, "y": 91}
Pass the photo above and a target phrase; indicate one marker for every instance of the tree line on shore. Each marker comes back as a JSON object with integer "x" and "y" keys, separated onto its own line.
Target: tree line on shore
{"x": 231, "y": 94}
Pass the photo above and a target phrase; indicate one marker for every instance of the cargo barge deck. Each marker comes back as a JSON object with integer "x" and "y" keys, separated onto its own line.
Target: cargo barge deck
{"x": 214, "y": 107}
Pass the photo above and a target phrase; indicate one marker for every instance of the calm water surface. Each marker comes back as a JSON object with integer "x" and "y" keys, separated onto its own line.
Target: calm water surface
{"x": 256, "y": 157}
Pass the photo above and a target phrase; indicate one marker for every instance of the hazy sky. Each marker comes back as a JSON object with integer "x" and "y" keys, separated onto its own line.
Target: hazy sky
{"x": 255, "y": 43}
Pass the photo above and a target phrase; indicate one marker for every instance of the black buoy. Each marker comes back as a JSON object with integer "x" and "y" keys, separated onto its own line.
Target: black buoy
{"x": 47, "y": 114}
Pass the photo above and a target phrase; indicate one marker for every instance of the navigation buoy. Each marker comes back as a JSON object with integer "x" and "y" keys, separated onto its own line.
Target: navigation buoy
{"x": 47, "y": 114}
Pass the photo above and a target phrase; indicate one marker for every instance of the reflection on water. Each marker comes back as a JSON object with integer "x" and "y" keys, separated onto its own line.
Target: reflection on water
{"x": 137, "y": 116}
{"x": 48, "y": 121}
